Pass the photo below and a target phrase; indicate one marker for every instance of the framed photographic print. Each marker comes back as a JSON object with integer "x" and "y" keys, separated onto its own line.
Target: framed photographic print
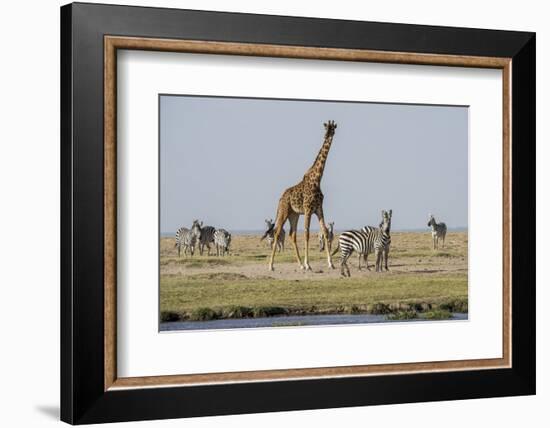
{"x": 265, "y": 213}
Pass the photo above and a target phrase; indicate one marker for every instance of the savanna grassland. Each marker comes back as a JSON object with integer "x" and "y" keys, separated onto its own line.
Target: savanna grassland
{"x": 421, "y": 282}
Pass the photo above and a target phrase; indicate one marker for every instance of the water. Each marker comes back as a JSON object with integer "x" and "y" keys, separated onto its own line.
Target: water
{"x": 287, "y": 321}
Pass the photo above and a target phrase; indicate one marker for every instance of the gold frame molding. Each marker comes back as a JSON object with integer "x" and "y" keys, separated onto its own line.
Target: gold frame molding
{"x": 113, "y": 43}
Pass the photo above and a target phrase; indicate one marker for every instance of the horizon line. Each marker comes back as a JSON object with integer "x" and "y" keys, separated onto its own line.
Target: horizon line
{"x": 251, "y": 231}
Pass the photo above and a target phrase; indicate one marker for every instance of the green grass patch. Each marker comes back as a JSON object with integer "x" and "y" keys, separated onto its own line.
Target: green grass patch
{"x": 196, "y": 262}
{"x": 208, "y": 296}
{"x": 217, "y": 276}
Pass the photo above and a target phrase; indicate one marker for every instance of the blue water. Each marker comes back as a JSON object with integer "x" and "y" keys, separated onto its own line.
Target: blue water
{"x": 287, "y": 321}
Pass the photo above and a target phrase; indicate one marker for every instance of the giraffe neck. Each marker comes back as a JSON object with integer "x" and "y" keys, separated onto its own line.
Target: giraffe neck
{"x": 316, "y": 170}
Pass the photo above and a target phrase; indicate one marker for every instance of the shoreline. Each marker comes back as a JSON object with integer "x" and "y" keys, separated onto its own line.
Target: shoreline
{"x": 296, "y": 321}
{"x": 394, "y": 310}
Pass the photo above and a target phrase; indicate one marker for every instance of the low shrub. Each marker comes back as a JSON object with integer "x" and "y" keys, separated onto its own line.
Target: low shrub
{"x": 203, "y": 314}
{"x": 402, "y": 315}
{"x": 169, "y": 316}
{"x": 436, "y": 314}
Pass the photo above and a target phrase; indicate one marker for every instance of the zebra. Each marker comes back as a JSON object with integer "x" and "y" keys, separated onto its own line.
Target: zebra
{"x": 439, "y": 230}
{"x": 181, "y": 236}
{"x": 269, "y": 234}
{"x": 330, "y": 237}
{"x": 187, "y": 238}
{"x": 206, "y": 238}
{"x": 364, "y": 241}
{"x": 222, "y": 239}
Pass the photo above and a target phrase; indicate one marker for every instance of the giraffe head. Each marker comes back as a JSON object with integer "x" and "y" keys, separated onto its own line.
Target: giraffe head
{"x": 330, "y": 128}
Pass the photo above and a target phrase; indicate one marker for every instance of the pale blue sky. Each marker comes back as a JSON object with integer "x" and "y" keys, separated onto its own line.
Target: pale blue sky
{"x": 226, "y": 161}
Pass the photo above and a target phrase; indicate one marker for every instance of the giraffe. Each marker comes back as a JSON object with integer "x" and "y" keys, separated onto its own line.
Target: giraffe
{"x": 305, "y": 198}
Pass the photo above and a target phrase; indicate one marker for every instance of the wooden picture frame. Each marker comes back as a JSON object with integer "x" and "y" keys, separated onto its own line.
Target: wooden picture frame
{"x": 91, "y": 390}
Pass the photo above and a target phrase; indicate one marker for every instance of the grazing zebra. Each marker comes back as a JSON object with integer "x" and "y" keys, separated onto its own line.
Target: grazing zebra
{"x": 330, "y": 237}
{"x": 270, "y": 231}
{"x": 222, "y": 239}
{"x": 439, "y": 230}
{"x": 187, "y": 238}
{"x": 365, "y": 241}
{"x": 206, "y": 238}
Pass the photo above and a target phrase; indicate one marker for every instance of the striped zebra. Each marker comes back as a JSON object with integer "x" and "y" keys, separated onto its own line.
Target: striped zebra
{"x": 269, "y": 234}
{"x": 222, "y": 239}
{"x": 439, "y": 230}
{"x": 187, "y": 238}
{"x": 206, "y": 238}
{"x": 182, "y": 235}
{"x": 365, "y": 241}
{"x": 330, "y": 237}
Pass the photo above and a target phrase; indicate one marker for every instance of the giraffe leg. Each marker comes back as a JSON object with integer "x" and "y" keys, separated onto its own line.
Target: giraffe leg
{"x": 278, "y": 227}
{"x": 307, "y": 221}
{"x": 326, "y": 244}
{"x": 293, "y": 219}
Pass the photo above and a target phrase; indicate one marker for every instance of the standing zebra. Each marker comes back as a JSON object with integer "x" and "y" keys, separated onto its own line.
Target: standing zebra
{"x": 206, "y": 238}
{"x": 222, "y": 239}
{"x": 439, "y": 230}
{"x": 365, "y": 241}
{"x": 270, "y": 231}
{"x": 182, "y": 235}
{"x": 187, "y": 238}
{"x": 330, "y": 237}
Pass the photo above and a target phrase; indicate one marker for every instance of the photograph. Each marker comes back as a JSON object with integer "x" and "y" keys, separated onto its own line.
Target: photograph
{"x": 294, "y": 212}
